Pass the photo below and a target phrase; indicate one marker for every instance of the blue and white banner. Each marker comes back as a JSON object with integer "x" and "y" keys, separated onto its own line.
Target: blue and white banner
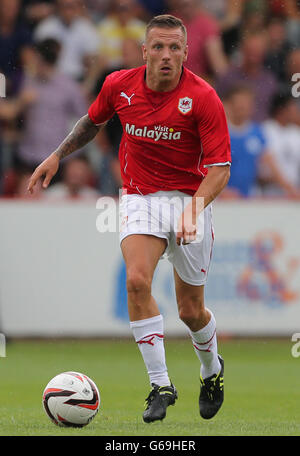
{"x": 60, "y": 277}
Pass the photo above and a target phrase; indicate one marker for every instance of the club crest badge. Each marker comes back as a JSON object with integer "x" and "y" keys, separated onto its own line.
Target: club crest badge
{"x": 185, "y": 105}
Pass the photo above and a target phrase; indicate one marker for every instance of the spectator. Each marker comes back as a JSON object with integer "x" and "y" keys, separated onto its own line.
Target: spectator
{"x": 76, "y": 182}
{"x": 132, "y": 56}
{"x": 15, "y": 44}
{"x": 251, "y": 71}
{"x": 291, "y": 80}
{"x": 217, "y": 8}
{"x": 97, "y": 9}
{"x": 153, "y": 7}
{"x": 229, "y": 16}
{"x": 293, "y": 67}
{"x": 37, "y": 10}
{"x": 248, "y": 147}
{"x": 277, "y": 8}
{"x": 49, "y": 101}
{"x": 77, "y": 36}
{"x": 283, "y": 137}
{"x": 119, "y": 25}
{"x": 292, "y": 83}
{"x": 278, "y": 48}
{"x": 292, "y": 11}
{"x": 206, "y": 57}
{"x": 255, "y": 13}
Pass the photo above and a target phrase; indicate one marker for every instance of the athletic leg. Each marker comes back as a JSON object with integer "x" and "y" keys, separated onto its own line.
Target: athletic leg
{"x": 201, "y": 324}
{"x": 141, "y": 254}
{"x": 202, "y": 327}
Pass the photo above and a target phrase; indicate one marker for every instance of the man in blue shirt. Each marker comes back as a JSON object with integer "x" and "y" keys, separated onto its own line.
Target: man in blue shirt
{"x": 15, "y": 44}
{"x": 248, "y": 147}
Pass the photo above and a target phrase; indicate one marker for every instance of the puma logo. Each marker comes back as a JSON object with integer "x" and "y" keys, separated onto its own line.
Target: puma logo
{"x": 123, "y": 94}
{"x": 149, "y": 339}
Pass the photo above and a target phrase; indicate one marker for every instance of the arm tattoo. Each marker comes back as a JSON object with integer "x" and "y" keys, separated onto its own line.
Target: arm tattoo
{"x": 83, "y": 132}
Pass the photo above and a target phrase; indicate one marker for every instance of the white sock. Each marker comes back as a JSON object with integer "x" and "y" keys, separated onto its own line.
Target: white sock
{"x": 206, "y": 348}
{"x": 149, "y": 335}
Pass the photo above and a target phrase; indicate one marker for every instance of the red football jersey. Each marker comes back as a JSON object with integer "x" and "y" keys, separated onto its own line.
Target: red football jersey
{"x": 169, "y": 138}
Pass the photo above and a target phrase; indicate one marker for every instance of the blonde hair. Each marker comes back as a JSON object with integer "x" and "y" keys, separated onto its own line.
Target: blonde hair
{"x": 166, "y": 21}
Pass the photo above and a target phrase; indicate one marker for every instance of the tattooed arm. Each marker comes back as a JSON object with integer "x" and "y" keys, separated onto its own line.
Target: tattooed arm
{"x": 83, "y": 132}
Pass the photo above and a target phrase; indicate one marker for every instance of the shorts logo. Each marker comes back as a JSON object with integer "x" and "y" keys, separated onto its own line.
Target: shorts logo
{"x": 185, "y": 105}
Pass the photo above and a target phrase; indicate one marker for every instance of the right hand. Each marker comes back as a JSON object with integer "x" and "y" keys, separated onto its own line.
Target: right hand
{"x": 47, "y": 168}
{"x": 187, "y": 226}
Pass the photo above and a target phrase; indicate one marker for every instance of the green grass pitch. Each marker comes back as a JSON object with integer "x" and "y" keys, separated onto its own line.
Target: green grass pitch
{"x": 262, "y": 394}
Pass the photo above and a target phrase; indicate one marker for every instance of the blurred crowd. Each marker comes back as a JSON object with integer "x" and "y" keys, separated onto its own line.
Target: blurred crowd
{"x": 55, "y": 55}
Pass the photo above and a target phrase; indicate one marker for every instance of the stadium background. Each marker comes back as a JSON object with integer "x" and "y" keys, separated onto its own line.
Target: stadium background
{"x": 60, "y": 277}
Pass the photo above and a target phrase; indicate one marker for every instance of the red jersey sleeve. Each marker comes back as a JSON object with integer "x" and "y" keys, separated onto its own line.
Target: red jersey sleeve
{"x": 102, "y": 109}
{"x": 213, "y": 131}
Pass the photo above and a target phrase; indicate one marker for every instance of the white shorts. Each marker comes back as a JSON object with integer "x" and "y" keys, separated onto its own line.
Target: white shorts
{"x": 157, "y": 214}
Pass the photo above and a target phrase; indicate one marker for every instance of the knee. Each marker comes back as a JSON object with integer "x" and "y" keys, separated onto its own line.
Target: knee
{"x": 138, "y": 282}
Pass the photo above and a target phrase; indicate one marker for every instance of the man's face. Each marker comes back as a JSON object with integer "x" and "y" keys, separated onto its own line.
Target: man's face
{"x": 76, "y": 173}
{"x": 241, "y": 106}
{"x": 68, "y": 10}
{"x": 293, "y": 63}
{"x": 9, "y": 10}
{"x": 254, "y": 50}
{"x": 164, "y": 52}
{"x": 291, "y": 112}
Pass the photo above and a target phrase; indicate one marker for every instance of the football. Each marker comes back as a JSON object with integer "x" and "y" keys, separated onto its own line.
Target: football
{"x": 71, "y": 399}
